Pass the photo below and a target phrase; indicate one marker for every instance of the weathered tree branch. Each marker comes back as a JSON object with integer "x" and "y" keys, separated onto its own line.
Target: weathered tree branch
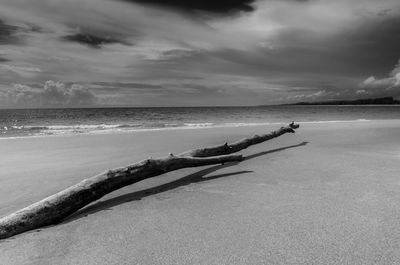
{"x": 241, "y": 144}
{"x": 53, "y": 209}
{"x": 60, "y": 205}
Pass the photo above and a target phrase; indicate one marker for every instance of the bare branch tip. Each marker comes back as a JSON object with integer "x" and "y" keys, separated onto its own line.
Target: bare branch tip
{"x": 293, "y": 125}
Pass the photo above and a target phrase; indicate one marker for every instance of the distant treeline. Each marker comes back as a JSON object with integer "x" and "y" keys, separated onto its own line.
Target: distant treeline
{"x": 369, "y": 101}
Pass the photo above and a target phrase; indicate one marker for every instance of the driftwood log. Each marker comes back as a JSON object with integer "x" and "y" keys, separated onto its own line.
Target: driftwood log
{"x": 55, "y": 208}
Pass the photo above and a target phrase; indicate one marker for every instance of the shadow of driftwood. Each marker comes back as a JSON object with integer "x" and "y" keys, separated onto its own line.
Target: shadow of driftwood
{"x": 192, "y": 178}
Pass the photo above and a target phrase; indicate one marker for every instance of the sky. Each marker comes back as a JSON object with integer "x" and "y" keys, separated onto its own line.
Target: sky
{"x": 138, "y": 53}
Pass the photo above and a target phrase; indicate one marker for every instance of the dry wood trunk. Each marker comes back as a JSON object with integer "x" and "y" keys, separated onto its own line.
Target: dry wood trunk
{"x": 53, "y": 209}
{"x": 226, "y": 148}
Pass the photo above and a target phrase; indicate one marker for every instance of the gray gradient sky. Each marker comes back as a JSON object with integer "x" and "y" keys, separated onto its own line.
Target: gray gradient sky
{"x": 83, "y": 53}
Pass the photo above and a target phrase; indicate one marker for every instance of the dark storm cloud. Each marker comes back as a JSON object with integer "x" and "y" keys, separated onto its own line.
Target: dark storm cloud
{"x": 93, "y": 41}
{"x": 370, "y": 49}
{"x": 377, "y": 44}
{"x": 221, "y": 6}
{"x": 365, "y": 49}
{"x": 7, "y": 33}
{"x": 3, "y": 60}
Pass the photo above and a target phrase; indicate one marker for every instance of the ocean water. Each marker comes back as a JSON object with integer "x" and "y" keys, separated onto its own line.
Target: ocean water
{"x": 47, "y": 122}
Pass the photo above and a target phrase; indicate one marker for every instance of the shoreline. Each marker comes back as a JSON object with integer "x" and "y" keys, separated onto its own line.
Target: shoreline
{"x": 195, "y": 126}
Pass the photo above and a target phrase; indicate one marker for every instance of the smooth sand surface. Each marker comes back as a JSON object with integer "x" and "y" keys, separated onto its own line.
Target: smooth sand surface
{"x": 332, "y": 200}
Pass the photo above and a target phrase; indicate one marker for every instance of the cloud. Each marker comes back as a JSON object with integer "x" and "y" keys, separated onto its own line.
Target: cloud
{"x": 92, "y": 41}
{"x": 157, "y": 34}
{"x": 22, "y": 71}
{"x": 221, "y": 6}
{"x": 315, "y": 96}
{"x": 52, "y": 94}
{"x": 118, "y": 85}
{"x": 390, "y": 83}
{"x": 176, "y": 49}
{"x": 370, "y": 87}
{"x": 361, "y": 91}
{"x": 8, "y": 33}
{"x": 383, "y": 83}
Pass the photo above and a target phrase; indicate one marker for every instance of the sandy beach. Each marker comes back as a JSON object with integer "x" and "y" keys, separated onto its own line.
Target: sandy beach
{"x": 329, "y": 194}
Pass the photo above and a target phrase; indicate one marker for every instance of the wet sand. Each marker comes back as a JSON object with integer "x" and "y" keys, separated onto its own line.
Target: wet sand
{"x": 329, "y": 194}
